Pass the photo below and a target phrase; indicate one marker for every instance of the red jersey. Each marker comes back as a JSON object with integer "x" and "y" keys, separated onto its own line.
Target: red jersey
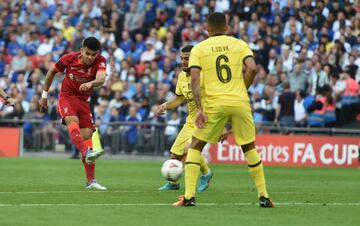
{"x": 78, "y": 73}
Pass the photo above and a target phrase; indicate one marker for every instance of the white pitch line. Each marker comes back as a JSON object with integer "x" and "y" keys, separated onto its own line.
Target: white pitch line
{"x": 169, "y": 204}
{"x": 291, "y": 193}
{"x": 62, "y": 192}
{"x": 138, "y": 191}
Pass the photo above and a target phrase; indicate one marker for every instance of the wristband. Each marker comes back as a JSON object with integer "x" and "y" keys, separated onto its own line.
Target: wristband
{"x": 44, "y": 94}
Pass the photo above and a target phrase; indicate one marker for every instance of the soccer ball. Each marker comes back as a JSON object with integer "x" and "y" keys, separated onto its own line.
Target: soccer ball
{"x": 172, "y": 170}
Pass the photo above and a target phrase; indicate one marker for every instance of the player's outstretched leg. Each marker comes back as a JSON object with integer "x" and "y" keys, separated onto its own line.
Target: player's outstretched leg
{"x": 206, "y": 176}
{"x": 76, "y": 139}
{"x": 89, "y": 166}
{"x": 91, "y": 155}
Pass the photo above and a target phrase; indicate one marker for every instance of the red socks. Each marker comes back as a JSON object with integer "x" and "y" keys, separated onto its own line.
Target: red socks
{"x": 76, "y": 139}
{"x": 83, "y": 146}
{"x": 89, "y": 168}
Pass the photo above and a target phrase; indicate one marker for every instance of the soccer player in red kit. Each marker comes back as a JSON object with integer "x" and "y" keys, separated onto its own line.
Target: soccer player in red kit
{"x": 84, "y": 70}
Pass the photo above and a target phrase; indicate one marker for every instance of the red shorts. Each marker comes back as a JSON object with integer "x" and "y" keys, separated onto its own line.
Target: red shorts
{"x": 73, "y": 106}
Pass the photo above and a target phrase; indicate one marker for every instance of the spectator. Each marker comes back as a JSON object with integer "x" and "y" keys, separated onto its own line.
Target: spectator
{"x": 28, "y": 126}
{"x": 330, "y": 107}
{"x": 285, "y": 108}
{"x": 318, "y": 78}
{"x": 45, "y": 47}
{"x": 141, "y": 39}
{"x": 287, "y": 59}
{"x": 144, "y": 109}
{"x": 297, "y": 79}
{"x": 19, "y": 62}
{"x": 152, "y": 94}
{"x": 157, "y": 128}
{"x": 299, "y": 109}
{"x": 68, "y": 31}
{"x": 348, "y": 91}
{"x": 13, "y": 46}
{"x": 38, "y": 17}
{"x": 149, "y": 53}
{"x": 124, "y": 109}
{"x": 132, "y": 130}
{"x": 139, "y": 94}
{"x": 102, "y": 117}
{"x": 272, "y": 60}
{"x": 133, "y": 19}
{"x": 316, "y": 110}
{"x": 116, "y": 101}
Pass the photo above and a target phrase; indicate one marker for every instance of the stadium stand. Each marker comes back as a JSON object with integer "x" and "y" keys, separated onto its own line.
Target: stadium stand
{"x": 307, "y": 44}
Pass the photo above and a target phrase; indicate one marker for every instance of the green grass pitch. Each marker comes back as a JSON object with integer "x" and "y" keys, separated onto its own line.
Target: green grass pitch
{"x": 51, "y": 192}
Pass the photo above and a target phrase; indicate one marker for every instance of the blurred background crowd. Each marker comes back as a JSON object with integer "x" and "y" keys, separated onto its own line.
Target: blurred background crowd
{"x": 308, "y": 56}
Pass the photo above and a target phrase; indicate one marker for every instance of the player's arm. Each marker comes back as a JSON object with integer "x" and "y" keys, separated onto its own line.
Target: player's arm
{"x": 48, "y": 81}
{"x": 174, "y": 102}
{"x": 195, "y": 69}
{"x": 195, "y": 86}
{"x": 250, "y": 71}
{"x": 171, "y": 104}
{"x": 200, "y": 118}
{"x": 96, "y": 83}
{"x": 100, "y": 79}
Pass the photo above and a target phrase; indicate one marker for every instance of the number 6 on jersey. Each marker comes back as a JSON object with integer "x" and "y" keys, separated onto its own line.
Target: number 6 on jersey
{"x": 220, "y": 67}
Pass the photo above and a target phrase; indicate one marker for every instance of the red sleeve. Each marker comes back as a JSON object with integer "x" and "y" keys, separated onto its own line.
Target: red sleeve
{"x": 60, "y": 65}
{"x": 101, "y": 64}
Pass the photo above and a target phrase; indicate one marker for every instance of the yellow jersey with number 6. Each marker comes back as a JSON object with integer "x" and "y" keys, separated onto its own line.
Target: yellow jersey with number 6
{"x": 220, "y": 59}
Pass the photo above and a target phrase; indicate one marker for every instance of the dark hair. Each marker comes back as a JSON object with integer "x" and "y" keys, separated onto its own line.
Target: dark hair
{"x": 286, "y": 85}
{"x": 302, "y": 93}
{"x": 187, "y": 49}
{"x": 351, "y": 70}
{"x": 91, "y": 43}
{"x": 216, "y": 20}
{"x": 326, "y": 91}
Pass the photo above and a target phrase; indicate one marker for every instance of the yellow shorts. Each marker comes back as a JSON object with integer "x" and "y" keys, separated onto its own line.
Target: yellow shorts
{"x": 240, "y": 118}
{"x": 182, "y": 138}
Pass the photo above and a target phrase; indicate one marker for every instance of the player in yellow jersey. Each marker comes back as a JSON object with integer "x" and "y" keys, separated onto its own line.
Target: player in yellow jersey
{"x": 179, "y": 148}
{"x": 221, "y": 60}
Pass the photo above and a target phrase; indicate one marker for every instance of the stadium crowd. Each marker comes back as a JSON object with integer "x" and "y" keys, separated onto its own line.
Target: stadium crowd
{"x": 308, "y": 56}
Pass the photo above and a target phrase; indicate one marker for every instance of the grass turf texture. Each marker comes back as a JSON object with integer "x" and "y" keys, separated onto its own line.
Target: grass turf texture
{"x": 51, "y": 192}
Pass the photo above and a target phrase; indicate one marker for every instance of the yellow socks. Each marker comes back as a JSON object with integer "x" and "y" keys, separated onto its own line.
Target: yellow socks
{"x": 192, "y": 170}
{"x": 256, "y": 171}
{"x": 204, "y": 168}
